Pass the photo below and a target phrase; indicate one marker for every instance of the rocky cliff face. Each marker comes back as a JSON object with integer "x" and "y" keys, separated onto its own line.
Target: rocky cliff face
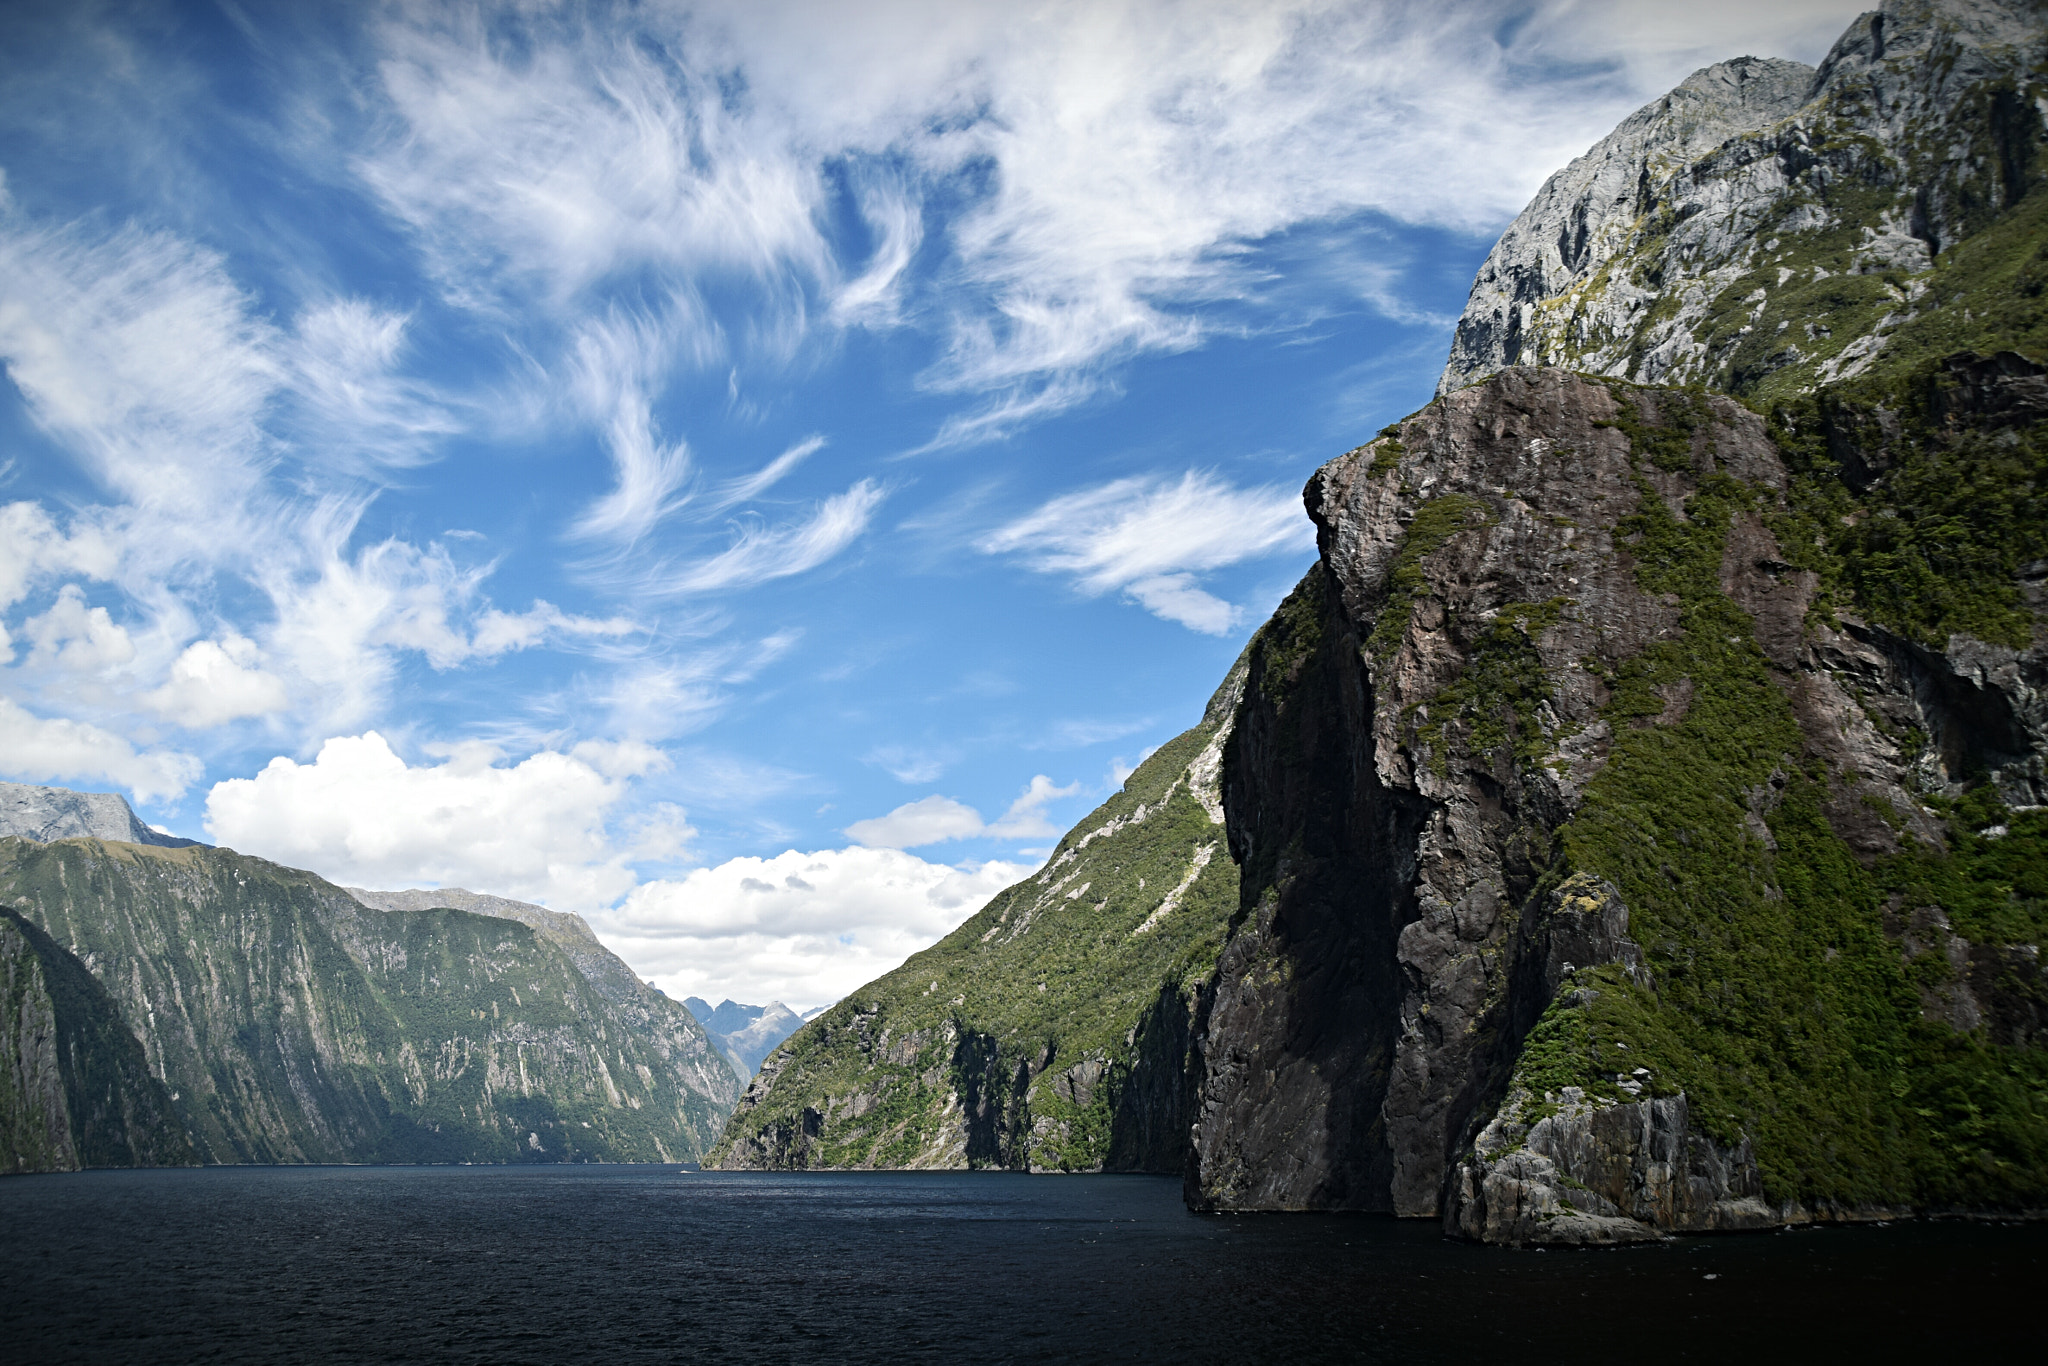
{"x": 1765, "y": 228}
{"x": 1581, "y": 839}
{"x": 1640, "y": 806}
{"x": 1050, "y": 1032}
{"x": 75, "y": 1089}
{"x": 291, "y": 1023}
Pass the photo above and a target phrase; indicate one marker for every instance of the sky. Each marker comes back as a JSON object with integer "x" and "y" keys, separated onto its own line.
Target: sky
{"x": 752, "y": 474}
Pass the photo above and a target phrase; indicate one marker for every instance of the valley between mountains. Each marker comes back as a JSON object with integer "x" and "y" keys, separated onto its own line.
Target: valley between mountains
{"x": 1635, "y": 822}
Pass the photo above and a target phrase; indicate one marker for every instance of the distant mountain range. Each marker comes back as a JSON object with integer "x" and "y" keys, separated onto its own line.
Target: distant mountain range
{"x": 746, "y": 1033}
{"x": 171, "y": 1001}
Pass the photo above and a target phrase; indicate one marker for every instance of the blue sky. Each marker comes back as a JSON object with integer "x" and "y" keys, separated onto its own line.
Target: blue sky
{"x": 751, "y": 474}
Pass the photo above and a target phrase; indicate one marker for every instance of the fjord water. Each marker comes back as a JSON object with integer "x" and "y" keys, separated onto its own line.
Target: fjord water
{"x": 630, "y": 1264}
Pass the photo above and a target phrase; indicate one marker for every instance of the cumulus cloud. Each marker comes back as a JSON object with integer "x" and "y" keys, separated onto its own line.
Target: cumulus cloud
{"x": 76, "y": 638}
{"x": 57, "y": 749}
{"x": 1151, "y": 538}
{"x": 216, "y": 681}
{"x": 934, "y": 819}
{"x": 802, "y": 928}
{"x": 359, "y": 814}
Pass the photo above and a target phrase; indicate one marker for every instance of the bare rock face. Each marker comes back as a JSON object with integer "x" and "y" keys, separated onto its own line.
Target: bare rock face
{"x": 1387, "y": 828}
{"x": 56, "y": 813}
{"x": 1765, "y": 220}
{"x": 1588, "y": 213}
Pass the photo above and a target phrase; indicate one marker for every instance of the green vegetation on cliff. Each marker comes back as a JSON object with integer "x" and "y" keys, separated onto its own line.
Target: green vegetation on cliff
{"x": 293, "y": 1024}
{"x": 1047, "y": 1032}
{"x": 75, "y": 1088}
{"x": 1787, "y": 993}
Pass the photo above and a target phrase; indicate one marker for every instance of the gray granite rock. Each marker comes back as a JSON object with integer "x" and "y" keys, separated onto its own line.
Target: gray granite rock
{"x": 55, "y": 813}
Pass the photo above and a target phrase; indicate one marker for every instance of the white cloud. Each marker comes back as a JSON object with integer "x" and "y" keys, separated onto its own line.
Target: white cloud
{"x": 802, "y": 928}
{"x": 928, "y": 820}
{"x": 1026, "y": 817}
{"x": 931, "y": 820}
{"x": 359, "y": 814}
{"x": 1082, "y": 178}
{"x": 759, "y": 554}
{"x": 911, "y": 764}
{"x": 77, "y": 639}
{"x": 139, "y": 351}
{"x": 498, "y": 632}
{"x": 57, "y": 749}
{"x": 32, "y": 547}
{"x": 1151, "y": 538}
{"x": 752, "y": 486}
{"x": 351, "y": 398}
{"x": 214, "y": 682}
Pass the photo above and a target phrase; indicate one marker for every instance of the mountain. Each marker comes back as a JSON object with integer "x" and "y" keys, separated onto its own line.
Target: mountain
{"x": 746, "y": 1033}
{"x": 1766, "y": 228}
{"x": 1050, "y": 1031}
{"x": 55, "y": 813}
{"x": 290, "y": 1022}
{"x": 1638, "y": 817}
{"x": 76, "y": 1090}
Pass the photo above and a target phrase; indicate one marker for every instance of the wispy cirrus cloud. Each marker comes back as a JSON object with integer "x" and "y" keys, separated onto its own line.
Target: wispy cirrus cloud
{"x": 1152, "y": 538}
{"x": 760, "y": 553}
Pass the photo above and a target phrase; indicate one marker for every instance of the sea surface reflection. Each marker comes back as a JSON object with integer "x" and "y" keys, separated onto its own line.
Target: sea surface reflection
{"x": 631, "y": 1264}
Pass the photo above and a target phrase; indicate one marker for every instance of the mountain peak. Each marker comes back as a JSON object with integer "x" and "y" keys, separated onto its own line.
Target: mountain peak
{"x": 56, "y": 813}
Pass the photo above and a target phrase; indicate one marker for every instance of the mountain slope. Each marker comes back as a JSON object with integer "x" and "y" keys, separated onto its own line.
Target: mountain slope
{"x": 293, "y": 1024}
{"x": 1640, "y": 813}
{"x": 1736, "y": 235}
{"x": 1050, "y": 1031}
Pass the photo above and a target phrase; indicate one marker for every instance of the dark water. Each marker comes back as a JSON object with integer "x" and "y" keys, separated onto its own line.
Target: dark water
{"x": 632, "y": 1264}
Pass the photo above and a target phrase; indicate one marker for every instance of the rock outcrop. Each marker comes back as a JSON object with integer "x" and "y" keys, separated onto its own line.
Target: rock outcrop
{"x": 291, "y": 1023}
{"x": 1569, "y": 817}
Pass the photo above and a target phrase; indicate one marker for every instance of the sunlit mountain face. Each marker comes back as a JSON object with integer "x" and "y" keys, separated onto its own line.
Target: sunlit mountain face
{"x": 749, "y": 474}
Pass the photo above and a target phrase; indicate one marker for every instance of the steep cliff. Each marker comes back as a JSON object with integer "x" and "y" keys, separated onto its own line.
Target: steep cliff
{"x": 1641, "y": 805}
{"x": 75, "y": 1089}
{"x": 662, "y": 1026}
{"x": 291, "y": 1023}
{"x": 1763, "y": 238}
{"x": 1609, "y": 865}
{"x": 1050, "y": 1031}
